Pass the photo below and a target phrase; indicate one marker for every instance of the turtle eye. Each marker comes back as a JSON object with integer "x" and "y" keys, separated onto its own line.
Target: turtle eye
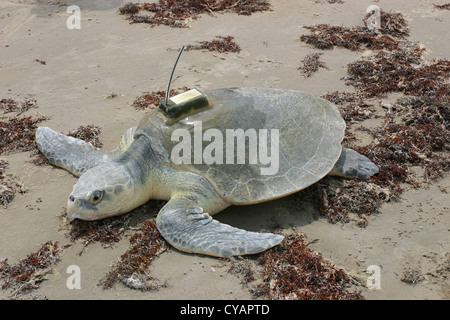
{"x": 96, "y": 196}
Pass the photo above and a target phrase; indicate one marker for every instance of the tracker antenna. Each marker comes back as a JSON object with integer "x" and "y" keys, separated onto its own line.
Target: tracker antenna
{"x": 170, "y": 80}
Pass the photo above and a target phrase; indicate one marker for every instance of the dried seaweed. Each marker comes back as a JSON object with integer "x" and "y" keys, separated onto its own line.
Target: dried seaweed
{"x": 89, "y": 133}
{"x": 8, "y": 105}
{"x": 175, "y": 13}
{"x": 152, "y": 100}
{"x": 425, "y": 110}
{"x": 340, "y": 98}
{"x": 425, "y": 114}
{"x": 442, "y": 6}
{"x": 352, "y": 106}
{"x": 354, "y": 197}
{"x": 393, "y": 27}
{"x": 29, "y": 272}
{"x": 106, "y": 231}
{"x": 132, "y": 269}
{"x": 9, "y": 185}
{"x": 145, "y": 245}
{"x": 11, "y": 105}
{"x": 41, "y": 61}
{"x": 242, "y": 269}
{"x": 330, "y": 1}
{"x": 399, "y": 147}
{"x": 220, "y": 44}
{"x": 112, "y": 95}
{"x": 325, "y": 36}
{"x": 400, "y": 71}
{"x": 415, "y": 132}
{"x": 396, "y": 150}
{"x": 412, "y": 276}
{"x": 311, "y": 64}
{"x": 295, "y": 272}
{"x": 392, "y": 23}
{"x": 18, "y": 133}
{"x": 129, "y": 8}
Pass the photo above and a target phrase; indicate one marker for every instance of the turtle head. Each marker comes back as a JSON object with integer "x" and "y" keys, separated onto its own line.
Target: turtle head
{"x": 103, "y": 191}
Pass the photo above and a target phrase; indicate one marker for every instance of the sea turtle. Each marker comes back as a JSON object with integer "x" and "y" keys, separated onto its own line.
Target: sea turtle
{"x": 309, "y": 129}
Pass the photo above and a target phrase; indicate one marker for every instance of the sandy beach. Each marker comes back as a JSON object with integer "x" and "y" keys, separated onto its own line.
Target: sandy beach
{"x": 82, "y": 69}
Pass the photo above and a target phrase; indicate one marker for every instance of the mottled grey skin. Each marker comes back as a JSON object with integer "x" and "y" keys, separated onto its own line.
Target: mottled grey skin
{"x": 116, "y": 182}
{"x": 351, "y": 164}
{"x": 75, "y": 155}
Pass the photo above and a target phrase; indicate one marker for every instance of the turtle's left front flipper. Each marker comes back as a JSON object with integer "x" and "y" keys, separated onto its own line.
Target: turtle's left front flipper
{"x": 186, "y": 227}
{"x": 73, "y": 154}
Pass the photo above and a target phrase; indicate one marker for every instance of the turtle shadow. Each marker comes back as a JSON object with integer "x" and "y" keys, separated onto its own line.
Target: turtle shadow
{"x": 296, "y": 210}
{"x": 293, "y": 211}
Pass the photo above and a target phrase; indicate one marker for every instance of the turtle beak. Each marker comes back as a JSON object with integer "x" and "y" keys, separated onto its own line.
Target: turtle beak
{"x": 74, "y": 212}
{"x": 80, "y": 209}
{"x": 71, "y": 209}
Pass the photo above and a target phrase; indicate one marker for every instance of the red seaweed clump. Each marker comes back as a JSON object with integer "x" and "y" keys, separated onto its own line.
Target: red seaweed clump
{"x": 107, "y": 231}
{"x": 18, "y": 131}
{"x": 352, "y": 106}
{"x": 29, "y": 272}
{"x": 415, "y": 132}
{"x": 393, "y": 28}
{"x": 175, "y": 13}
{"x": 18, "y": 134}
{"x": 9, "y": 185}
{"x": 89, "y": 133}
{"x": 325, "y": 36}
{"x": 400, "y": 71}
{"x": 292, "y": 271}
{"x": 400, "y": 147}
{"x": 11, "y": 105}
{"x": 311, "y": 64}
{"x": 220, "y": 44}
{"x": 132, "y": 269}
{"x": 445, "y": 6}
{"x": 392, "y": 23}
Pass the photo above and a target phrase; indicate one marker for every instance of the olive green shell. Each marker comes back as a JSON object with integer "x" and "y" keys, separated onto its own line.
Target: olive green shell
{"x": 310, "y": 135}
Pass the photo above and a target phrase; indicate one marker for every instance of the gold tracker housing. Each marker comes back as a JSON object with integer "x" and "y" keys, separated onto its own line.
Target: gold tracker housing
{"x": 183, "y": 105}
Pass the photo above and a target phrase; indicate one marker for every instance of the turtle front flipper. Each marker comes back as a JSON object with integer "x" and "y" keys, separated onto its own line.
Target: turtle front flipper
{"x": 75, "y": 155}
{"x": 186, "y": 227}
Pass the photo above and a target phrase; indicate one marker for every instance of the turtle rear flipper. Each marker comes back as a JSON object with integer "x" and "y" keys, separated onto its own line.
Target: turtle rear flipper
{"x": 351, "y": 164}
{"x": 186, "y": 227}
{"x": 75, "y": 155}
